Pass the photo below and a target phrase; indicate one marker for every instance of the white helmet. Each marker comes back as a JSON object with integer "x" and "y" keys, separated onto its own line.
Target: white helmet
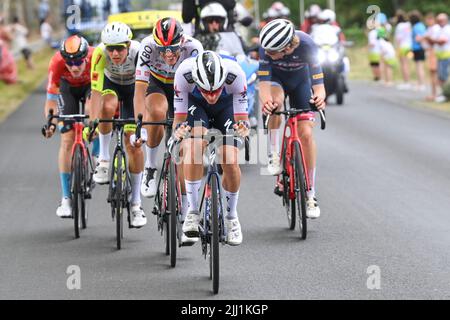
{"x": 115, "y": 33}
{"x": 209, "y": 72}
{"x": 314, "y": 10}
{"x": 277, "y": 34}
{"x": 327, "y": 16}
{"x": 214, "y": 9}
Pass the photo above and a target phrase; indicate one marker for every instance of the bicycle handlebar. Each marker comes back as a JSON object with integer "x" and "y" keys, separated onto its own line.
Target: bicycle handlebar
{"x": 140, "y": 123}
{"x": 294, "y": 112}
{"x": 70, "y": 118}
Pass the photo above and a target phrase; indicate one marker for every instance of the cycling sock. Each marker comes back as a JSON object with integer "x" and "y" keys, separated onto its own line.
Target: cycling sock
{"x": 95, "y": 147}
{"x": 274, "y": 138}
{"x": 312, "y": 179}
{"x": 150, "y": 159}
{"x": 65, "y": 184}
{"x": 136, "y": 187}
{"x": 184, "y": 206}
{"x": 232, "y": 200}
{"x": 192, "y": 189}
{"x": 105, "y": 140}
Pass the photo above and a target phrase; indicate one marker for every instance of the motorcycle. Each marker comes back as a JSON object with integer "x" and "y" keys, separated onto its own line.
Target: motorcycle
{"x": 331, "y": 56}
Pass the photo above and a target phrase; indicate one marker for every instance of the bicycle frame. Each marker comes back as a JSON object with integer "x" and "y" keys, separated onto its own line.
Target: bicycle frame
{"x": 290, "y": 136}
{"x": 78, "y": 129}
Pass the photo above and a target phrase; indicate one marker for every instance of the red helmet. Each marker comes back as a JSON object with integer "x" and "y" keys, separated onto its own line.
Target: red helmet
{"x": 167, "y": 32}
{"x": 74, "y": 48}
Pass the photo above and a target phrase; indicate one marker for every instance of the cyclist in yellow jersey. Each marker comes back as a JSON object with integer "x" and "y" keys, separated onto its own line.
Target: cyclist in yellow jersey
{"x": 112, "y": 79}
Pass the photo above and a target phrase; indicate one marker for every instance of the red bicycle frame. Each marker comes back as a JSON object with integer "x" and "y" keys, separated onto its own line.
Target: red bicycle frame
{"x": 291, "y": 135}
{"x": 78, "y": 128}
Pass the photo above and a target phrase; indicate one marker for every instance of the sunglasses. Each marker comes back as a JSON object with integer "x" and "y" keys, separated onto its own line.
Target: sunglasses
{"x": 164, "y": 49}
{"x": 210, "y": 93}
{"x": 76, "y": 63}
{"x": 213, "y": 19}
{"x": 118, "y": 48}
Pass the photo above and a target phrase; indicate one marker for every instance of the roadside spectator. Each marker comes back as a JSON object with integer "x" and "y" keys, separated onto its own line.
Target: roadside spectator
{"x": 432, "y": 64}
{"x": 20, "y": 41}
{"x": 442, "y": 49}
{"x": 8, "y": 68}
{"x": 403, "y": 43}
{"x": 47, "y": 33}
{"x": 43, "y": 10}
{"x": 374, "y": 53}
{"x": 388, "y": 57}
{"x": 5, "y": 32}
{"x": 418, "y": 31}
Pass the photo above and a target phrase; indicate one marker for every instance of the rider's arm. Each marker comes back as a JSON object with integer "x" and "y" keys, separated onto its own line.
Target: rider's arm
{"x": 140, "y": 90}
{"x": 97, "y": 80}
{"x": 181, "y": 92}
{"x": 54, "y": 79}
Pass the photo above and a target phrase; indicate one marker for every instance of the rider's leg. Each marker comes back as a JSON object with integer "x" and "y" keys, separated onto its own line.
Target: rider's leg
{"x": 305, "y": 131}
{"x": 274, "y": 124}
{"x": 96, "y": 141}
{"x": 109, "y": 106}
{"x": 135, "y": 166}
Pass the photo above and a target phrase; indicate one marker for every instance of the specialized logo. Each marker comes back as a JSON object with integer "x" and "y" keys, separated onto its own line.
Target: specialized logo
{"x": 166, "y": 24}
{"x": 228, "y": 124}
{"x": 209, "y": 65}
{"x": 192, "y": 109}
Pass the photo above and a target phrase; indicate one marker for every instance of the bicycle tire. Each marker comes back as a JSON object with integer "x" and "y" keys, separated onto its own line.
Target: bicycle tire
{"x": 172, "y": 221}
{"x": 165, "y": 224}
{"x": 83, "y": 190}
{"x": 287, "y": 202}
{"x": 76, "y": 183}
{"x": 300, "y": 187}
{"x": 215, "y": 233}
{"x": 118, "y": 174}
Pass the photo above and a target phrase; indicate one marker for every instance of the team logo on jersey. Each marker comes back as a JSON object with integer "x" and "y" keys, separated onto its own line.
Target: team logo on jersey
{"x": 176, "y": 91}
{"x": 192, "y": 109}
{"x": 228, "y": 124}
{"x": 188, "y": 77}
{"x": 95, "y": 76}
{"x": 230, "y": 78}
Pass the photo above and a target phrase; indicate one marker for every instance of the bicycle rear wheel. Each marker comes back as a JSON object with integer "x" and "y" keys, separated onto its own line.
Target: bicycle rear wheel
{"x": 215, "y": 236}
{"x": 300, "y": 190}
{"x": 77, "y": 199}
{"x": 172, "y": 221}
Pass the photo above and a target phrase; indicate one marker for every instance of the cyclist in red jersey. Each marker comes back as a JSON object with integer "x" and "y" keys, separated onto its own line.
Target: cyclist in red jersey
{"x": 69, "y": 82}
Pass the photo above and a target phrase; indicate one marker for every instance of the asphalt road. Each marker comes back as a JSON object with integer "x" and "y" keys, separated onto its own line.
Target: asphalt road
{"x": 382, "y": 178}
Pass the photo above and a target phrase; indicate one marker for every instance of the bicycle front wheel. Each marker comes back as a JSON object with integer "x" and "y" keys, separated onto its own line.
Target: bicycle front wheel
{"x": 172, "y": 221}
{"x": 215, "y": 236}
{"x": 288, "y": 204}
{"x": 300, "y": 190}
{"x": 77, "y": 201}
{"x": 119, "y": 188}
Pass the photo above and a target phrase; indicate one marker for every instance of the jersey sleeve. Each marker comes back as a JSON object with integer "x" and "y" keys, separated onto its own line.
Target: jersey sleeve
{"x": 54, "y": 77}
{"x": 315, "y": 69}
{"x": 265, "y": 70}
{"x": 238, "y": 87}
{"x": 98, "y": 69}
{"x": 145, "y": 60}
{"x": 181, "y": 90}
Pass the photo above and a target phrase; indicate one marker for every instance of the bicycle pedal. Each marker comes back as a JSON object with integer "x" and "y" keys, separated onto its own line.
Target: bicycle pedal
{"x": 155, "y": 211}
{"x": 187, "y": 244}
{"x": 278, "y": 192}
{"x": 88, "y": 195}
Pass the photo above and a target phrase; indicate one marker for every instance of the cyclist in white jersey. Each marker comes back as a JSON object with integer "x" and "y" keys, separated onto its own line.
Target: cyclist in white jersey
{"x": 112, "y": 79}
{"x": 159, "y": 57}
{"x": 211, "y": 92}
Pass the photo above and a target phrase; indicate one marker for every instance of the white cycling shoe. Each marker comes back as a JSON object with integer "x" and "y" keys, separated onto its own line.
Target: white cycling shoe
{"x": 138, "y": 218}
{"x": 234, "y": 232}
{"x": 312, "y": 208}
{"x": 101, "y": 173}
{"x": 148, "y": 185}
{"x": 186, "y": 241}
{"x": 65, "y": 209}
{"x": 190, "y": 225}
{"x": 274, "y": 166}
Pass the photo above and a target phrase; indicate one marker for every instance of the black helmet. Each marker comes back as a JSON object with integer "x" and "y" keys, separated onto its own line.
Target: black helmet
{"x": 74, "y": 48}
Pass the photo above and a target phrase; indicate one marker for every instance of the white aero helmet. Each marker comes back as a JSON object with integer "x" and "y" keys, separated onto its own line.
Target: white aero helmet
{"x": 277, "y": 34}
{"x": 214, "y": 9}
{"x": 209, "y": 71}
{"x": 327, "y": 15}
{"x": 115, "y": 33}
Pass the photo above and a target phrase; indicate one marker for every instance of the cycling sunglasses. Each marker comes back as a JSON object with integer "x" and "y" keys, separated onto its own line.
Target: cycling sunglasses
{"x": 74, "y": 63}
{"x": 164, "y": 49}
{"x": 119, "y": 48}
{"x": 210, "y": 93}
{"x": 213, "y": 19}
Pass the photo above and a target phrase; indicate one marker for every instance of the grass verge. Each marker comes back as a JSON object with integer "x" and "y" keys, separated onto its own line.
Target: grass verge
{"x": 11, "y": 96}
